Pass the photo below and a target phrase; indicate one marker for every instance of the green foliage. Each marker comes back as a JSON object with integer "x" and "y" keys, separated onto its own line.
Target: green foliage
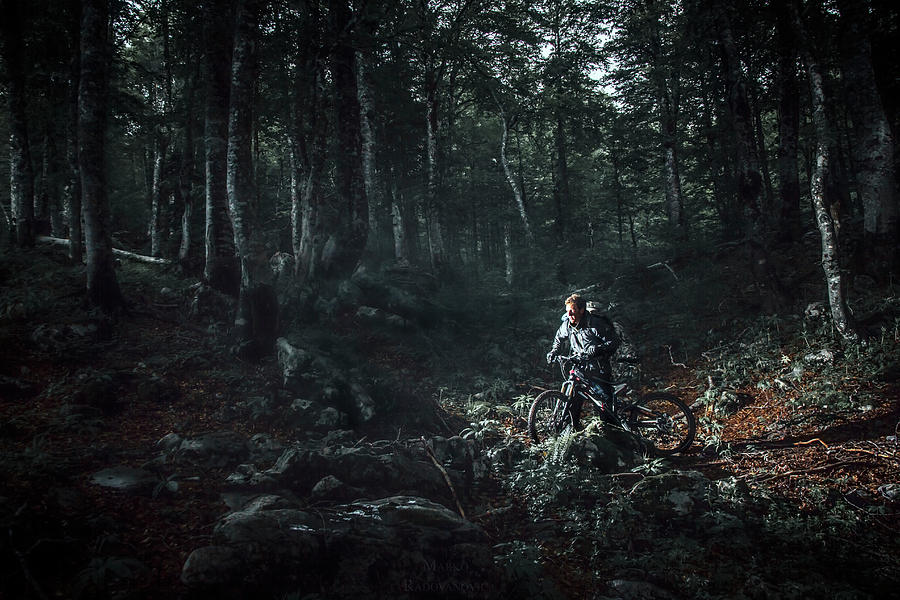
{"x": 523, "y": 574}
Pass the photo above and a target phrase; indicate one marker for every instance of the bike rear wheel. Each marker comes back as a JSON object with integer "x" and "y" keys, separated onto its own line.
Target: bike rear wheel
{"x": 549, "y": 416}
{"x": 663, "y": 420}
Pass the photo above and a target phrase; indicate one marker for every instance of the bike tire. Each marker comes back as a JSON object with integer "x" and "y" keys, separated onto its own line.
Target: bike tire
{"x": 549, "y": 416}
{"x": 665, "y": 421}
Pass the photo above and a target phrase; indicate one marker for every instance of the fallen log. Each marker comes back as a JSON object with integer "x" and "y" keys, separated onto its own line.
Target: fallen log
{"x": 116, "y": 251}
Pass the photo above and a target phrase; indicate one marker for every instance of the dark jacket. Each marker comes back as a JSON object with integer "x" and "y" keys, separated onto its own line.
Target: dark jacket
{"x": 594, "y": 336}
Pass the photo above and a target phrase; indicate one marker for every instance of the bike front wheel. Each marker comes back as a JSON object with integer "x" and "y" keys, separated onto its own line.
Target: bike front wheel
{"x": 549, "y": 416}
{"x": 663, "y": 420}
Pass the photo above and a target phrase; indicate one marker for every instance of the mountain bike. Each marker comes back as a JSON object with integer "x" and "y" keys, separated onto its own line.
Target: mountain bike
{"x": 659, "y": 418}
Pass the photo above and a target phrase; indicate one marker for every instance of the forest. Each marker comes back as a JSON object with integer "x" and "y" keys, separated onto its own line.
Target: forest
{"x": 278, "y": 279}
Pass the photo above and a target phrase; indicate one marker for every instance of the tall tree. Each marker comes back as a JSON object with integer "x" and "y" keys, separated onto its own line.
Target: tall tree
{"x": 21, "y": 170}
{"x": 788, "y": 125}
{"x": 219, "y": 266}
{"x": 93, "y": 95}
{"x": 749, "y": 172}
{"x": 830, "y": 248}
{"x": 256, "y": 320}
{"x": 72, "y": 185}
{"x": 873, "y": 150}
{"x": 350, "y": 240}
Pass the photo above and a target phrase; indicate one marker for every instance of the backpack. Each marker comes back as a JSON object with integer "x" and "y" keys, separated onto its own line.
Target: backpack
{"x": 626, "y": 354}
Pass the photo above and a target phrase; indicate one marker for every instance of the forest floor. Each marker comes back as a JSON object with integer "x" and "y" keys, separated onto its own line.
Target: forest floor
{"x": 64, "y": 535}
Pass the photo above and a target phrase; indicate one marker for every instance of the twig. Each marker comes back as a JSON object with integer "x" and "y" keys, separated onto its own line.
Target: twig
{"x": 672, "y": 358}
{"x": 443, "y": 471}
{"x": 666, "y": 265}
{"x": 804, "y": 471}
{"x": 811, "y": 441}
{"x": 845, "y": 449}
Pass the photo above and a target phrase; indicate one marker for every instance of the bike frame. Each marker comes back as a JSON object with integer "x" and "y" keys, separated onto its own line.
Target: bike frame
{"x": 579, "y": 383}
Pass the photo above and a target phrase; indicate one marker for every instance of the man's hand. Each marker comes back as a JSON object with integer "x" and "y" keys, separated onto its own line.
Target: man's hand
{"x": 551, "y": 356}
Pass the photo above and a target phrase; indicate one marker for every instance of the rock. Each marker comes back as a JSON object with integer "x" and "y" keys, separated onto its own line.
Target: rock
{"x": 609, "y": 450}
{"x": 377, "y": 469}
{"x": 381, "y": 318}
{"x": 890, "y": 491}
{"x": 212, "y": 305}
{"x": 398, "y": 546}
{"x": 824, "y": 356}
{"x": 362, "y": 403}
{"x": 212, "y": 566}
{"x": 308, "y": 415}
{"x": 332, "y": 489}
{"x": 460, "y": 454}
{"x": 169, "y": 443}
{"x": 264, "y": 448}
{"x": 815, "y": 310}
{"x": 213, "y": 450}
{"x": 386, "y": 292}
{"x": 294, "y": 362}
{"x": 60, "y": 339}
{"x": 127, "y": 479}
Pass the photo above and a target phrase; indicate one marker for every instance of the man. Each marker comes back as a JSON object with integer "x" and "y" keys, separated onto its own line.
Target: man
{"x": 593, "y": 339}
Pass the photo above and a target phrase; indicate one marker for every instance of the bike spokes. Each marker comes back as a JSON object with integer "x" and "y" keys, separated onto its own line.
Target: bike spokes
{"x": 549, "y": 416}
{"x": 665, "y": 421}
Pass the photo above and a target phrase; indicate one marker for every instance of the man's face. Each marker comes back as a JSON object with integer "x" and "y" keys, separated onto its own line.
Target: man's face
{"x": 574, "y": 313}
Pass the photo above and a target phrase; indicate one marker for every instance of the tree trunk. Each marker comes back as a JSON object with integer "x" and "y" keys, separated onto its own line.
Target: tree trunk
{"x": 256, "y": 320}
{"x": 309, "y": 255}
{"x": 158, "y": 200}
{"x": 296, "y": 197}
{"x": 186, "y": 172}
{"x": 561, "y": 174}
{"x": 750, "y": 180}
{"x": 517, "y": 192}
{"x": 873, "y": 150}
{"x": 432, "y": 212}
{"x": 674, "y": 201}
{"x": 219, "y": 270}
{"x": 102, "y": 285}
{"x": 73, "y": 179}
{"x": 349, "y": 177}
{"x": 21, "y": 170}
{"x": 508, "y": 254}
{"x": 617, "y": 193}
{"x": 759, "y": 144}
{"x": 373, "y": 184}
{"x": 830, "y": 249}
{"x": 401, "y": 250}
{"x": 788, "y": 128}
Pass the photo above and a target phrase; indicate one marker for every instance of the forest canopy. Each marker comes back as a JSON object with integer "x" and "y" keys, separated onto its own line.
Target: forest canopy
{"x": 501, "y": 140}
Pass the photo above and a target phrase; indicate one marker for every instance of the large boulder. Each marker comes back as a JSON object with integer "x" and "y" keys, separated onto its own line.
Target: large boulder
{"x": 211, "y": 450}
{"x": 370, "y": 470}
{"x": 128, "y": 479}
{"x": 395, "y": 547}
{"x": 309, "y": 415}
